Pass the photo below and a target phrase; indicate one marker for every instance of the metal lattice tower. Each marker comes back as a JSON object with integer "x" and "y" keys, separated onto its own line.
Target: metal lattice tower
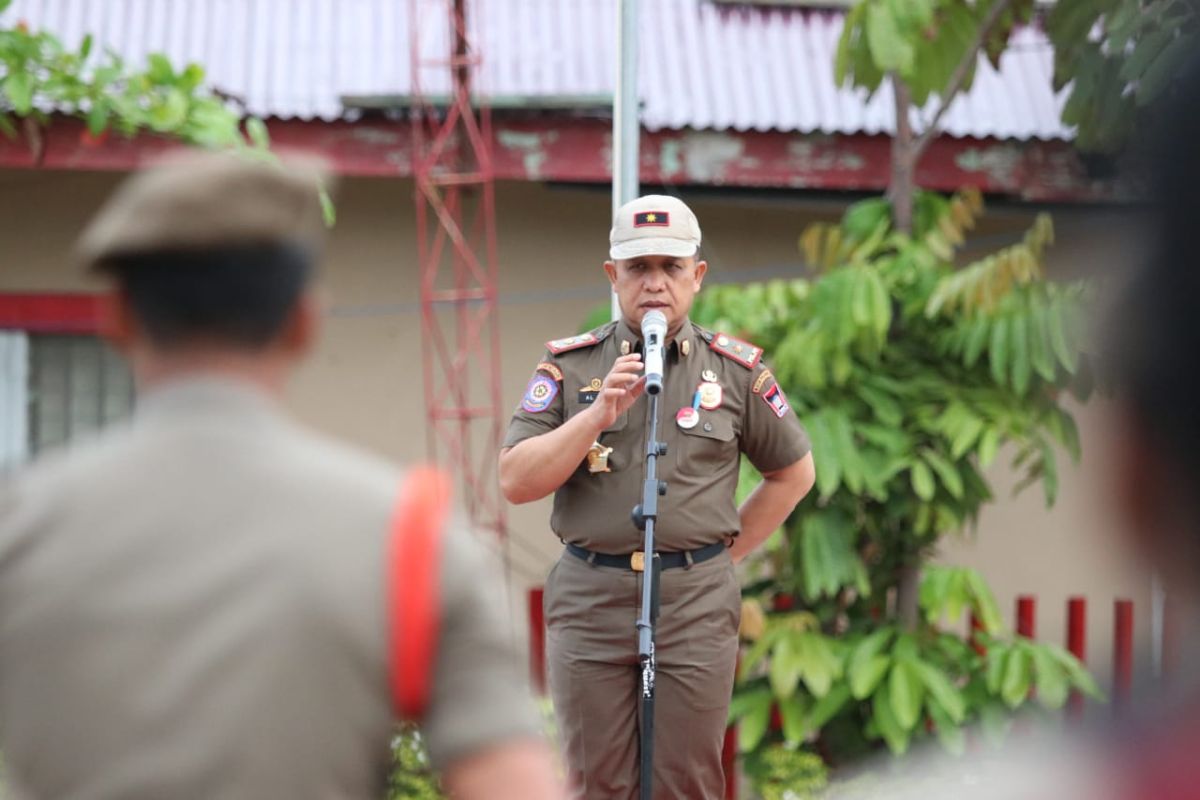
{"x": 456, "y": 246}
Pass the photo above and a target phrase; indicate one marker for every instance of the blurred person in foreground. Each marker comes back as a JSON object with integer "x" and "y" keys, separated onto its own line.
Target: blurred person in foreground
{"x": 1152, "y": 338}
{"x": 213, "y": 601}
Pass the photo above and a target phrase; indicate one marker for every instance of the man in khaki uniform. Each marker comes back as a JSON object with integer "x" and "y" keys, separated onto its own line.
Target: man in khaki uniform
{"x": 213, "y": 601}
{"x": 580, "y": 433}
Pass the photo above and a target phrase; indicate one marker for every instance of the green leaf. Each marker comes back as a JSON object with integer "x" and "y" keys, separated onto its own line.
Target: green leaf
{"x": 85, "y": 47}
{"x": 97, "y": 118}
{"x": 843, "y": 59}
{"x": 983, "y": 602}
{"x": 885, "y": 720}
{"x": 1067, "y": 356}
{"x": 328, "y": 210}
{"x": 754, "y": 721}
{"x": 942, "y": 690}
{"x": 1076, "y": 672}
{"x": 19, "y": 88}
{"x": 907, "y": 693}
{"x": 866, "y": 674}
{"x": 159, "y": 69}
{"x": 998, "y": 350}
{"x": 994, "y": 676}
{"x": 1049, "y": 677}
{"x": 947, "y": 729}
{"x": 169, "y": 114}
{"x": 257, "y": 130}
{"x": 1017, "y": 677}
{"x": 1049, "y": 474}
{"x": 828, "y": 706}
{"x": 1164, "y": 68}
{"x": 792, "y": 712}
{"x": 1039, "y": 335}
{"x": 818, "y": 664}
{"x": 1021, "y": 366}
{"x": 922, "y": 481}
{"x": 6, "y": 127}
{"x": 759, "y": 649}
{"x": 946, "y": 471}
{"x": 989, "y": 443}
{"x": 191, "y": 78}
{"x": 889, "y": 49}
{"x": 784, "y": 670}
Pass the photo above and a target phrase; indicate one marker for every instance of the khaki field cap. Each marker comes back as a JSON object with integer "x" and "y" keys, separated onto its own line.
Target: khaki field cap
{"x": 199, "y": 200}
{"x": 654, "y": 225}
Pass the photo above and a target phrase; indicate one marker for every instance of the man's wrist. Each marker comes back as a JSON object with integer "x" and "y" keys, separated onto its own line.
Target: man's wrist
{"x": 594, "y": 421}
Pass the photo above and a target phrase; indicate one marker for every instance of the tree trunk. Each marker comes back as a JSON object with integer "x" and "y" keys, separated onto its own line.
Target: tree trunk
{"x": 903, "y": 185}
{"x": 901, "y": 192}
{"x": 908, "y": 594}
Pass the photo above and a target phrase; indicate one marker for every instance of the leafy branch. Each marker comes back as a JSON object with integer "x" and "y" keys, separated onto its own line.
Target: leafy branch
{"x": 39, "y": 76}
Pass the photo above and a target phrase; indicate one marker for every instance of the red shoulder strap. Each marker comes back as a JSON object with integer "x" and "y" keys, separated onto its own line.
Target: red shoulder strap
{"x": 413, "y": 587}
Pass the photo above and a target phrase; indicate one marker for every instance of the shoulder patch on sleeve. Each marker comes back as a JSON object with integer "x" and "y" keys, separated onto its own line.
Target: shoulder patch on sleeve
{"x": 761, "y": 380}
{"x": 539, "y": 394}
{"x": 775, "y": 398}
{"x": 588, "y": 339}
{"x": 550, "y": 369}
{"x": 743, "y": 353}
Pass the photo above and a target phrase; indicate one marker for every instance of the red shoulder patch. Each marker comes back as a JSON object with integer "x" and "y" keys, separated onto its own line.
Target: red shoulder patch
{"x": 743, "y": 353}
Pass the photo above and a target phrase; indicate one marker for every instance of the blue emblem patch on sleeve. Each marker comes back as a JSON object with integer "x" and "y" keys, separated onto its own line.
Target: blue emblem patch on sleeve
{"x": 776, "y": 400}
{"x": 539, "y": 394}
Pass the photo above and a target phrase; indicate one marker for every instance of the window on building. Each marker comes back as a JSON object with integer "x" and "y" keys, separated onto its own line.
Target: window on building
{"x": 55, "y": 388}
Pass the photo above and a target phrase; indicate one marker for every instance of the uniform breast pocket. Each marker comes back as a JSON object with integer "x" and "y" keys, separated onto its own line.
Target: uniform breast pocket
{"x": 710, "y": 444}
{"x": 613, "y": 436}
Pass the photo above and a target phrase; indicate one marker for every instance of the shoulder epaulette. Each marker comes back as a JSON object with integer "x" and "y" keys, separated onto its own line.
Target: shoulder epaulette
{"x": 743, "y": 353}
{"x": 589, "y": 339}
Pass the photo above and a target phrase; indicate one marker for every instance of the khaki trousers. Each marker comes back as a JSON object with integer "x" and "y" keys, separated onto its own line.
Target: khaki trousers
{"x": 591, "y": 651}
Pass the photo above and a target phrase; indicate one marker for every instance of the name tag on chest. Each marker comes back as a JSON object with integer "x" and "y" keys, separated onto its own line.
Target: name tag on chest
{"x": 588, "y": 395}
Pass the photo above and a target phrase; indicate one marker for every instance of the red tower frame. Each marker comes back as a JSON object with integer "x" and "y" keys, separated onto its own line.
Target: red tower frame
{"x": 456, "y": 246}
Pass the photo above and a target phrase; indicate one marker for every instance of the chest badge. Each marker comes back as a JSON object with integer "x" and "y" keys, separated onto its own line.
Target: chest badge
{"x": 711, "y": 395}
{"x": 708, "y": 376}
{"x": 589, "y": 393}
{"x": 597, "y": 458}
{"x": 687, "y": 418}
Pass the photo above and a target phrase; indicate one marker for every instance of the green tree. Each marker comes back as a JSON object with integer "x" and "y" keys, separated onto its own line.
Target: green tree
{"x": 910, "y": 374}
{"x": 39, "y": 76}
{"x": 912, "y": 371}
{"x": 1119, "y": 59}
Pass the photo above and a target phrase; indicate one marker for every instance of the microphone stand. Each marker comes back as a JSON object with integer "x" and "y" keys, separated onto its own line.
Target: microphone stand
{"x": 645, "y": 514}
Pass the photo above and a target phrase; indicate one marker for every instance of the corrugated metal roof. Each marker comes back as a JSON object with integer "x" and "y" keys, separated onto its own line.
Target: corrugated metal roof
{"x": 703, "y": 65}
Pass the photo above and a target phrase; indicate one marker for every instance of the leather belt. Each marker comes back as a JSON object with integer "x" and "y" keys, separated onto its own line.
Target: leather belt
{"x": 636, "y": 561}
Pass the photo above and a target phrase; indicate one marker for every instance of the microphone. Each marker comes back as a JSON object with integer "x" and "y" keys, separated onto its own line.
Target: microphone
{"x": 654, "y": 330}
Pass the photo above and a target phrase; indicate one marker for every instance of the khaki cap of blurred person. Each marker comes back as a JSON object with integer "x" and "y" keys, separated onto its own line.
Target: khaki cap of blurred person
{"x": 654, "y": 225}
{"x": 198, "y": 200}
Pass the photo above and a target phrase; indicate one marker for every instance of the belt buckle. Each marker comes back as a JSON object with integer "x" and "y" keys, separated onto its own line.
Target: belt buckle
{"x": 637, "y": 561}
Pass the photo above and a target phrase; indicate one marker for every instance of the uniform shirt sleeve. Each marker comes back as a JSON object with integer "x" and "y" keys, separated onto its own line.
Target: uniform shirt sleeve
{"x": 530, "y": 419}
{"x": 772, "y": 436}
{"x": 480, "y": 696}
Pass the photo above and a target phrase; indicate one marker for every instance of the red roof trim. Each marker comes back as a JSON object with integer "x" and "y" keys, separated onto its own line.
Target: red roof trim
{"x": 576, "y": 151}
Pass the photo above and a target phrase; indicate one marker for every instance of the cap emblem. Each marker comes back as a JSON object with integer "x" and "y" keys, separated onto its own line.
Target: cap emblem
{"x": 652, "y": 219}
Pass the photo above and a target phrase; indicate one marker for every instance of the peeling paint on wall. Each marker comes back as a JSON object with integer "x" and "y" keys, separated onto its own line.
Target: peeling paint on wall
{"x": 670, "y": 161}
{"x": 1000, "y": 162}
{"x": 532, "y": 146}
{"x": 707, "y": 155}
